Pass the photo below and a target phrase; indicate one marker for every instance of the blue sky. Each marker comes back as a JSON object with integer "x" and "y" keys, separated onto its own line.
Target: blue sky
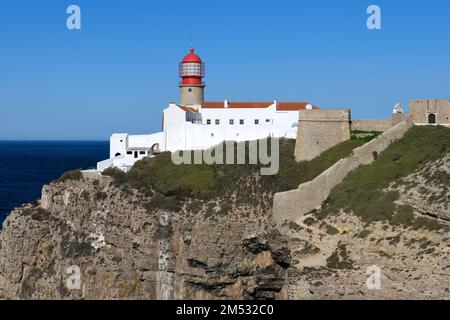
{"x": 120, "y": 70}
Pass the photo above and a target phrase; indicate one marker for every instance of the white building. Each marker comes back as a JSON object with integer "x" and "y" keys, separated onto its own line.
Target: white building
{"x": 195, "y": 124}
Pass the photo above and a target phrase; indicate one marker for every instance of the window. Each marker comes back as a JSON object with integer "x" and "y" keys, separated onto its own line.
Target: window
{"x": 190, "y": 90}
{"x": 129, "y": 152}
{"x": 208, "y": 121}
{"x": 231, "y": 121}
{"x": 141, "y": 152}
{"x": 117, "y": 154}
{"x": 192, "y": 69}
{"x": 267, "y": 120}
{"x": 241, "y": 121}
{"x": 217, "y": 121}
{"x": 256, "y": 121}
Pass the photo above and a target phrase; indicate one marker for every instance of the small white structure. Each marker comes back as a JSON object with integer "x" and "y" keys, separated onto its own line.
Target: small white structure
{"x": 194, "y": 124}
{"x": 398, "y": 108}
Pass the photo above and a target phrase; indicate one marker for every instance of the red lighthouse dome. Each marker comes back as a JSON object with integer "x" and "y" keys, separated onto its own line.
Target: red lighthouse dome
{"x": 192, "y": 57}
{"x": 192, "y": 70}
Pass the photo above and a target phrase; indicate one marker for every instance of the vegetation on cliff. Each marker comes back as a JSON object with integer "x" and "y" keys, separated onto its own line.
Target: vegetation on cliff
{"x": 71, "y": 175}
{"x": 363, "y": 191}
{"x": 205, "y": 182}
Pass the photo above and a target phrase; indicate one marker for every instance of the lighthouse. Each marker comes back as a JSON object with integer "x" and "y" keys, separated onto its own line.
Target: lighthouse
{"x": 195, "y": 124}
{"x": 192, "y": 71}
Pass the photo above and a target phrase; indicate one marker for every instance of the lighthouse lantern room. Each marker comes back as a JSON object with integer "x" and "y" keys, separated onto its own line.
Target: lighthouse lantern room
{"x": 192, "y": 72}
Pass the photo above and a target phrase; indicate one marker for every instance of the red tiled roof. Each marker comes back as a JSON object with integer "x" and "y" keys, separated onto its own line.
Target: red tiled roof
{"x": 236, "y": 105}
{"x": 187, "y": 109}
{"x": 293, "y": 106}
{"x": 282, "y": 106}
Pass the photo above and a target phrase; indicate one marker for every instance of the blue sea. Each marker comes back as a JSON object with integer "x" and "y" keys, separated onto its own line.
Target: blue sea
{"x": 26, "y": 166}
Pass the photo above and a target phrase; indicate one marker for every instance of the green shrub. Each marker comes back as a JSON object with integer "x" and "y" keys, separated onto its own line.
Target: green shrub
{"x": 159, "y": 201}
{"x": 309, "y": 221}
{"x": 364, "y": 234}
{"x": 161, "y": 174}
{"x": 404, "y": 216}
{"x": 331, "y": 230}
{"x": 71, "y": 175}
{"x": 339, "y": 259}
{"x": 118, "y": 175}
{"x": 427, "y": 224}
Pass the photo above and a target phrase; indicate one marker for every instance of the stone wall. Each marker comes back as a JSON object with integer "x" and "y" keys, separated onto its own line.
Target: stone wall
{"x": 371, "y": 125}
{"x": 292, "y": 204}
{"x": 191, "y": 95}
{"x": 399, "y": 117}
{"x": 319, "y": 130}
{"x": 421, "y": 109}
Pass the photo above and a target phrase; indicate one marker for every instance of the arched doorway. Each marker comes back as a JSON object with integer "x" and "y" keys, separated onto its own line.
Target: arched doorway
{"x": 155, "y": 149}
{"x": 431, "y": 118}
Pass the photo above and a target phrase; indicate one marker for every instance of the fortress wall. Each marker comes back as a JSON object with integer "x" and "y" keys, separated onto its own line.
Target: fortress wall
{"x": 400, "y": 117}
{"x": 420, "y": 109}
{"x": 319, "y": 130}
{"x": 288, "y": 206}
{"x": 371, "y": 125}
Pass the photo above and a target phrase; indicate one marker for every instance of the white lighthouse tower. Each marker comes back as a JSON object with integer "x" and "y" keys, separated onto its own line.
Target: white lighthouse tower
{"x": 192, "y": 71}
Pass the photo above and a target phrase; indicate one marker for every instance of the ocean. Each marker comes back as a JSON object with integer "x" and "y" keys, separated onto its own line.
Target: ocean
{"x": 26, "y": 166}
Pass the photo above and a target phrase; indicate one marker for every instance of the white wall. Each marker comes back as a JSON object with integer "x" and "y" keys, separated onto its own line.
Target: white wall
{"x": 118, "y": 144}
{"x": 190, "y": 131}
{"x": 174, "y": 128}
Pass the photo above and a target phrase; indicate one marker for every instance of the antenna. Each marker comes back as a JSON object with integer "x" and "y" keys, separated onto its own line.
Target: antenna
{"x": 190, "y": 42}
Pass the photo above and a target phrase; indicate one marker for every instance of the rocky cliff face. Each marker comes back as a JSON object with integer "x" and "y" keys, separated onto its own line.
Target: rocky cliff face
{"x": 428, "y": 189}
{"x": 90, "y": 239}
{"x": 123, "y": 248}
{"x": 333, "y": 256}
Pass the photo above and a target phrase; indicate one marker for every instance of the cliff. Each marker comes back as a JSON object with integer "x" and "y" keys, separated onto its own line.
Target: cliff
{"x": 127, "y": 251}
{"x": 332, "y": 253}
{"x": 182, "y": 237}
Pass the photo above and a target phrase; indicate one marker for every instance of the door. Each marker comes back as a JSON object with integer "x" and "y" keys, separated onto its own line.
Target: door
{"x": 431, "y": 118}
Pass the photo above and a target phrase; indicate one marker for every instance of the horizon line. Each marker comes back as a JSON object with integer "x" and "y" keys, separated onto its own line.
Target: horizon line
{"x": 53, "y": 140}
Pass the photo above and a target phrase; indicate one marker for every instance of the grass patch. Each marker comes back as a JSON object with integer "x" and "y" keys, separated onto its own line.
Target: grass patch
{"x": 364, "y": 136}
{"x": 292, "y": 174}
